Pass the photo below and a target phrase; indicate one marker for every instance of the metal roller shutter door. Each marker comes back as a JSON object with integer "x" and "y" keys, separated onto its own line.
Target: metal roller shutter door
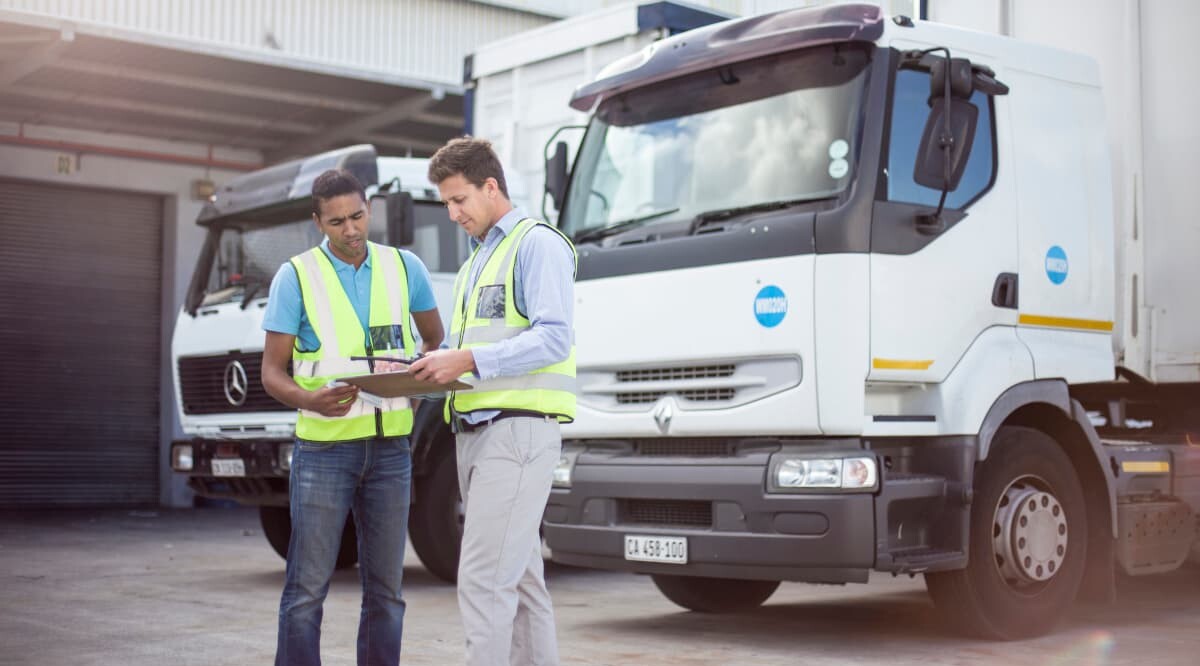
{"x": 80, "y": 292}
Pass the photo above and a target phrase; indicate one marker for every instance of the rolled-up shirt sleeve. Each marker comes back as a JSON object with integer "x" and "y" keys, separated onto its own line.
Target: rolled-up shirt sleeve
{"x": 545, "y": 287}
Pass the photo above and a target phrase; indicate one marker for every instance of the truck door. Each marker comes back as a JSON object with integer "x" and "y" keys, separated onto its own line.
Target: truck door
{"x": 936, "y": 292}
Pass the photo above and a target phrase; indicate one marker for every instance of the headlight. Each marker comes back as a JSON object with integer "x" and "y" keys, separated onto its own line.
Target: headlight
{"x": 562, "y": 471}
{"x": 181, "y": 458}
{"x": 858, "y": 473}
{"x": 796, "y": 473}
{"x": 809, "y": 474}
{"x": 565, "y": 468}
{"x": 285, "y": 456}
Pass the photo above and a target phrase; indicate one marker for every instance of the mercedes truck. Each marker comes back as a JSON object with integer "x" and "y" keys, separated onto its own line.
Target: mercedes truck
{"x": 238, "y": 443}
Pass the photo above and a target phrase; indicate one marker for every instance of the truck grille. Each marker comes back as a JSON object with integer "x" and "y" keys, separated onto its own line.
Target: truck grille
{"x": 692, "y": 447}
{"x": 202, "y": 385}
{"x": 709, "y": 386}
{"x": 701, "y": 395}
{"x": 666, "y": 512}
{"x": 665, "y": 374}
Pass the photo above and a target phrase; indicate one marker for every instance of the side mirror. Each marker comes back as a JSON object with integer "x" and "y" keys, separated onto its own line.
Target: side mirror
{"x": 556, "y": 175}
{"x": 395, "y": 211}
{"x": 946, "y": 144}
{"x": 960, "y": 73}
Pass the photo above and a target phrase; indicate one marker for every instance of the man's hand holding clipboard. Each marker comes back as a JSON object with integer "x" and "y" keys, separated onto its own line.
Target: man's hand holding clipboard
{"x": 397, "y": 376}
{"x": 443, "y": 366}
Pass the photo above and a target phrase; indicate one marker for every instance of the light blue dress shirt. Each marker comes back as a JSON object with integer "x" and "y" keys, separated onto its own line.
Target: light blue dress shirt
{"x": 544, "y": 283}
{"x": 285, "y": 306}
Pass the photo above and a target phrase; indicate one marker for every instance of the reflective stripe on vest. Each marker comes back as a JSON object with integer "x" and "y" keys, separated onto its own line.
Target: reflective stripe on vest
{"x": 340, "y": 334}
{"x": 489, "y": 316}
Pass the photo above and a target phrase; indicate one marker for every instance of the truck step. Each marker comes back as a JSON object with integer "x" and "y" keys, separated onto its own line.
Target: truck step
{"x": 1154, "y": 536}
{"x": 920, "y": 560}
{"x": 912, "y": 486}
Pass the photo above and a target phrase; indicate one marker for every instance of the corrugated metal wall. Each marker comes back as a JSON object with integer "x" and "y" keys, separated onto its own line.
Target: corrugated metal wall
{"x": 422, "y": 39}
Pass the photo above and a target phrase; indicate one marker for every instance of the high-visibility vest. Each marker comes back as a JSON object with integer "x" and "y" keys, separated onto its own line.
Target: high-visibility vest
{"x": 490, "y": 315}
{"x": 341, "y": 336}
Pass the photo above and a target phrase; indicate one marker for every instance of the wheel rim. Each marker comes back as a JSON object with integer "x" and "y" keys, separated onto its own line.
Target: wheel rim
{"x": 1029, "y": 533}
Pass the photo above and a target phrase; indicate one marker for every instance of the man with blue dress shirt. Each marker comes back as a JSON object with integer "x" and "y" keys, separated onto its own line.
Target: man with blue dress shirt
{"x": 511, "y": 337}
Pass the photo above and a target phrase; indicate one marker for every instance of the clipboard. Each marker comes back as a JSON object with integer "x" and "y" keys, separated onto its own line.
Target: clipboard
{"x": 400, "y": 383}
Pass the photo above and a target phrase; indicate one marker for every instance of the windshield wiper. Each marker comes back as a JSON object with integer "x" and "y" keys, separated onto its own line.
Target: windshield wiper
{"x": 251, "y": 290}
{"x": 598, "y": 233}
{"x": 728, "y": 213}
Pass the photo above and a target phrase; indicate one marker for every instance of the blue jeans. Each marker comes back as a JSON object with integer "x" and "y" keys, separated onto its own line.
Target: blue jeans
{"x": 373, "y": 478}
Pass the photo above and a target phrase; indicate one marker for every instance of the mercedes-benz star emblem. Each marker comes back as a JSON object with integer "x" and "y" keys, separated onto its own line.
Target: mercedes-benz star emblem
{"x": 662, "y": 416}
{"x": 235, "y": 383}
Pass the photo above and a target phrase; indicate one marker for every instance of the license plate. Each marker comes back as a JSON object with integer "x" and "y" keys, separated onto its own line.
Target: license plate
{"x": 670, "y": 550}
{"x": 228, "y": 467}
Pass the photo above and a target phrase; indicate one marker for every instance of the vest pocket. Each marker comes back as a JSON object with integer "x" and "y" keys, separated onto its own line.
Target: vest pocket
{"x": 387, "y": 337}
{"x": 491, "y": 302}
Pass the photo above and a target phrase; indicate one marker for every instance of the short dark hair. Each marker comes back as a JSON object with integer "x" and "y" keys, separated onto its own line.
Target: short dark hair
{"x": 469, "y": 157}
{"x": 334, "y": 183}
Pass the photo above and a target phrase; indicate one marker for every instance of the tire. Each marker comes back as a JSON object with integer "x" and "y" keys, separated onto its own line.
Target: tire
{"x": 435, "y": 523}
{"x": 1028, "y": 542}
{"x": 277, "y": 527}
{"x": 714, "y": 595}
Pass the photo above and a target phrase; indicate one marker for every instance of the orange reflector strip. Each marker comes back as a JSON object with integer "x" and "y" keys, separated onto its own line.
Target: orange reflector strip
{"x": 1146, "y": 466}
{"x": 897, "y": 364}
{"x": 1065, "y": 322}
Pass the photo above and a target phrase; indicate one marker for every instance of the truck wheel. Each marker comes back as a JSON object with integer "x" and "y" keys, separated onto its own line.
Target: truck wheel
{"x": 1028, "y": 542}
{"x": 714, "y": 595}
{"x": 435, "y": 523}
{"x": 277, "y": 527}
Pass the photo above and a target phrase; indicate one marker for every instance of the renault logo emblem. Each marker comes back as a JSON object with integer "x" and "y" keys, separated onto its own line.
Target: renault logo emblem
{"x": 663, "y": 415}
{"x": 235, "y": 383}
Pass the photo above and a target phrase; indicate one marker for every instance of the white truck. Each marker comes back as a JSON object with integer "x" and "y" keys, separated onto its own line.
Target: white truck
{"x": 853, "y": 296}
{"x": 239, "y": 439}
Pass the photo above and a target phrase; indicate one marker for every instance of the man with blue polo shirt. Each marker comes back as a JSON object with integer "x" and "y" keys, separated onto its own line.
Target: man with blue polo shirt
{"x": 346, "y": 297}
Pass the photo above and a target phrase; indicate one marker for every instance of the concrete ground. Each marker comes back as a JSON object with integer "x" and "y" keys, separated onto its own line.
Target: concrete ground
{"x": 202, "y": 587}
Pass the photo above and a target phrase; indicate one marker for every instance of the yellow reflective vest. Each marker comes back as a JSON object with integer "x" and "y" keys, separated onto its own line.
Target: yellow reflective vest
{"x": 488, "y": 315}
{"x": 340, "y": 332}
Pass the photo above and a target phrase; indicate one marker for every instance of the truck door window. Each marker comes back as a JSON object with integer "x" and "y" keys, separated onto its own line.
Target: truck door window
{"x": 435, "y": 238}
{"x": 909, "y": 112}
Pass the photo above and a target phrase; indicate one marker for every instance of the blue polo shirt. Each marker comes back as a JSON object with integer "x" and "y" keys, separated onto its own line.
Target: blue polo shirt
{"x": 285, "y": 306}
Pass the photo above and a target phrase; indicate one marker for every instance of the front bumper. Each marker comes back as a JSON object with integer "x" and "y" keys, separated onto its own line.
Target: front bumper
{"x": 265, "y": 481}
{"x": 734, "y": 529}
{"x": 915, "y": 521}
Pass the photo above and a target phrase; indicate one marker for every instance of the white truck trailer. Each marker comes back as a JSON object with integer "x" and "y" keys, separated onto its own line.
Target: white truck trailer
{"x": 239, "y": 439}
{"x": 517, "y": 87}
{"x": 848, "y": 302}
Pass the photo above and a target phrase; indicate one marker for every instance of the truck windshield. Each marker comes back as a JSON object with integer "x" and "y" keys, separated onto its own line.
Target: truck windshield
{"x": 247, "y": 258}
{"x": 779, "y": 129}
{"x": 242, "y": 255}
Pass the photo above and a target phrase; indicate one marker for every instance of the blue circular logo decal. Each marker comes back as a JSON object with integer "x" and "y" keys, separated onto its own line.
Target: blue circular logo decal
{"x": 1056, "y": 265}
{"x": 770, "y": 306}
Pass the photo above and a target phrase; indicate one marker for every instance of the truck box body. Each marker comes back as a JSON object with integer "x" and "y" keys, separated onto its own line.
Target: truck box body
{"x": 519, "y": 86}
{"x": 1152, "y": 133}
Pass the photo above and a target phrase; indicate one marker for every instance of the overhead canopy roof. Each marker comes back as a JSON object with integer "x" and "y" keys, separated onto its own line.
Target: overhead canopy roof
{"x": 60, "y": 73}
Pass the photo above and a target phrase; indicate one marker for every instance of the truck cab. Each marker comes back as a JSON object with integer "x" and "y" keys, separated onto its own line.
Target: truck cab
{"x": 239, "y": 439}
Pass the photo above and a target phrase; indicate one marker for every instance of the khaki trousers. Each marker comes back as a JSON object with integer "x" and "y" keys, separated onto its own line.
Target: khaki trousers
{"x": 504, "y": 473}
